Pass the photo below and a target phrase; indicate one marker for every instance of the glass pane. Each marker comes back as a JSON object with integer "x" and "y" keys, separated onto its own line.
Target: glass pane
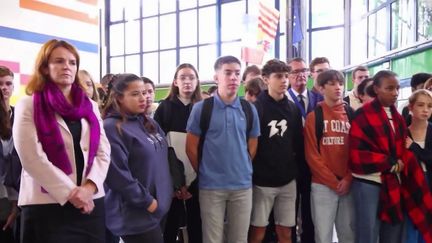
{"x": 358, "y": 9}
{"x": 116, "y": 10}
{"x": 184, "y": 4}
{"x": 253, "y": 7}
{"x": 166, "y": 6}
{"x": 330, "y": 44}
{"x": 117, "y": 65}
{"x": 188, "y": 28}
{"x": 132, "y": 9}
{"x": 116, "y": 40}
{"x": 150, "y": 7}
{"x": 377, "y": 33}
{"x": 206, "y": 2}
{"x": 189, "y": 55}
{"x": 231, "y": 16}
{"x": 424, "y": 27}
{"x": 282, "y": 48}
{"x": 402, "y": 22}
{"x": 150, "y": 34}
{"x": 167, "y": 66}
{"x": 207, "y": 25}
{"x": 327, "y": 13}
{"x": 207, "y": 57}
{"x": 282, "y": 18}
{"x": 168, "y": 33}
{"x": 133, "y": 65}
{"x": 150, "y": 66}
{"x": 132, "y": 36}
{"x": 232, "y": 48}
{"x": 359, "y": 42}
{"x": 375, "y": 3}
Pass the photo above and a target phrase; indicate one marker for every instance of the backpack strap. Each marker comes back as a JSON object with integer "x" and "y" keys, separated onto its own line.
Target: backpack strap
{"x": 347, "y": 99}
{"x": 205, "y": 118}
{"x": 349, "y": 112}
{"x": 319, "y": 125}
{"x": 247, "y": 109}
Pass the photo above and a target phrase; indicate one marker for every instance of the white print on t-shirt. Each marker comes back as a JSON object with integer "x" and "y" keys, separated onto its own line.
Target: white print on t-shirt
{"x": 157, "y": 138}
{"x": 333, "y": 140}
{"x": 274, "y": 124}
{"x": 337, "y": 126}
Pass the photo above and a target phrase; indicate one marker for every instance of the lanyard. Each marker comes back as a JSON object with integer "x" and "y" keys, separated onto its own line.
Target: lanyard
{"x": 297, "y": 103}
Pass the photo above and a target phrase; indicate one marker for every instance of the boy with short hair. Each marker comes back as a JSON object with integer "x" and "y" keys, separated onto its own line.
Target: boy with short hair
{"x": 224, "y": 167}
{"x": 326, "y": 149}
{"x": 280, "y": 149}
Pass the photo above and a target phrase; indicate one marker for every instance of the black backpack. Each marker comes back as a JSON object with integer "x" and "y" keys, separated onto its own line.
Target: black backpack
{"x": 206, "y": 114}
{"x": 319, "y": 121}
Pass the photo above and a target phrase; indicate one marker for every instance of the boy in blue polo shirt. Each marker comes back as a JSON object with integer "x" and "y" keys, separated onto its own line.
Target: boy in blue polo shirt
{"x": 225, "y": 168}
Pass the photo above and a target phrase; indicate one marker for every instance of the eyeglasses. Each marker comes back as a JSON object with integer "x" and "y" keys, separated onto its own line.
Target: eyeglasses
{"x": 297, "y": 72}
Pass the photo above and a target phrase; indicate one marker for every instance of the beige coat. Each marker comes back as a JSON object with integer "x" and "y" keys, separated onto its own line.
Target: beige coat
{"x": 39, "y": 172}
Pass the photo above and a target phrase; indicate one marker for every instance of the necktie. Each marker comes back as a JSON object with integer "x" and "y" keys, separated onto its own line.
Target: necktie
{"x": 301, "y": 101}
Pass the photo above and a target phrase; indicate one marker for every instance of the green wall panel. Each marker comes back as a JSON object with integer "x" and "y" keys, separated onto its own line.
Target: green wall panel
{"x": 407, "y": 66}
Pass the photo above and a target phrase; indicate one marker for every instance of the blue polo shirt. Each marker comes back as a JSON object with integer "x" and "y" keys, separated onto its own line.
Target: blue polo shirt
{"x": 225, "y": 163}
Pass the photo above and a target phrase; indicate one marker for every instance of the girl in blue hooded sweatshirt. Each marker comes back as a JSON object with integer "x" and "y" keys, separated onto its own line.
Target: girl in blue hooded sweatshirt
{"x": 139, "y": 187}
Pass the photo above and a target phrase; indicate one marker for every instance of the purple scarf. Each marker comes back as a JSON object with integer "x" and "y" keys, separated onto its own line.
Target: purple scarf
{"x": 50, "y": 101}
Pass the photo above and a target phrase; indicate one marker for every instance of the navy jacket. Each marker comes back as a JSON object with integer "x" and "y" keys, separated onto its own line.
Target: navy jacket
{"x": 280, "y": 146}
{"x": 138, "y": 173}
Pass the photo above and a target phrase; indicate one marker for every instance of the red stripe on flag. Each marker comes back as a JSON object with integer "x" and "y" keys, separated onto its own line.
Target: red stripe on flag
{"x": 265, "y": 23}
{"x": 268, "y": 18}
{"x": 268, "y": 10}
{"x": 261, "y": 27}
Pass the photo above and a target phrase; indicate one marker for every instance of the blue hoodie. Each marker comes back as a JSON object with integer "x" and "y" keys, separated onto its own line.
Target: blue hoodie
{"x": 138, "y": 173}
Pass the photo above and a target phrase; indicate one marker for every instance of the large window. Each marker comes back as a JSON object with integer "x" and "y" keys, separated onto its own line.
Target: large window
{"x": 326, "y": 33}
{"x": 151, "y": 37}
{"x": 424, "y": 24}
{"x": 368, "y": 28}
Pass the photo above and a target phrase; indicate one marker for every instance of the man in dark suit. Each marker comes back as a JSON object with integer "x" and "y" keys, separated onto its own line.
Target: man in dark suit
{"x": 298, "y": 92}
{"x": 306, "y": 101}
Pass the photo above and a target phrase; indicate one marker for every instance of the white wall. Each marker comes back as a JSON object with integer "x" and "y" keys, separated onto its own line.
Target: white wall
{"x": 26, "y": 24}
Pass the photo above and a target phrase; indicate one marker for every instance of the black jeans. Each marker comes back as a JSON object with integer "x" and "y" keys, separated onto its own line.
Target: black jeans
{"x": 53, "y": 223}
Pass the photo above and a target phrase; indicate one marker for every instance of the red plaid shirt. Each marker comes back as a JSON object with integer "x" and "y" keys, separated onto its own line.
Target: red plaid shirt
{"x": 376, "y": 147}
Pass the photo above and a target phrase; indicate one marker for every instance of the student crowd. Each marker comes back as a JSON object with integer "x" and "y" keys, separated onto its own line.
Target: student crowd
{"x": 80, "y": 163}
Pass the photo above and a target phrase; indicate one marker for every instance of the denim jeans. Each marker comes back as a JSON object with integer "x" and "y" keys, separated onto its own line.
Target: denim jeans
{"x": 328, "y": 209}
{"x": 369, "y": 228}
{"x": 238, "y": 207}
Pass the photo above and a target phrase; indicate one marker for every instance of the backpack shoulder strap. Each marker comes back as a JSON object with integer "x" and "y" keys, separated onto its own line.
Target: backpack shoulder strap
{"x": 205, "y": 118}
{"x": 349, "y": 112}
{"x": 259, "y": 107}
{"x": 319, "y": 124}
{"x": 247, "y": 109}
{"x": 347, "y": 99}
{"x": 206, "y": 114}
